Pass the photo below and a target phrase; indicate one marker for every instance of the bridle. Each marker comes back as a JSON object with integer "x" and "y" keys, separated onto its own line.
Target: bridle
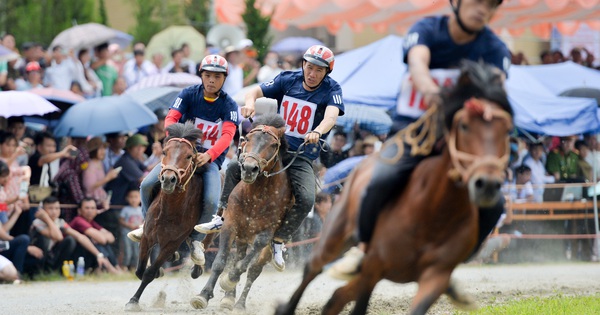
{"x": 262, "y": 162}
{"x": 181, "y": 173}
{"x": 464, "y": 164}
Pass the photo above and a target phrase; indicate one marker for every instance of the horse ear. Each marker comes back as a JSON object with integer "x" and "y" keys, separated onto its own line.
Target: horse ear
{"x": 281, "y": 132}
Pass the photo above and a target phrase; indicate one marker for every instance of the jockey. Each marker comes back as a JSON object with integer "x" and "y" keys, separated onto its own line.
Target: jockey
{"x": 433, "y": 47}
{"x": 216, "y": 114}
{"x": 310, "y": 102}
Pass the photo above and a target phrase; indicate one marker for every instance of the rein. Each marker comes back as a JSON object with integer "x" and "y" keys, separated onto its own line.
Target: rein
{"x": 261, "y": 161}
{"x": 464, "y": 164}
{"x": 180, "y": 172}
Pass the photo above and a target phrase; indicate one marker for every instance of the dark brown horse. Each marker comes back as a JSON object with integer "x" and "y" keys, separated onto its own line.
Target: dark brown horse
{"x": 256, "y": 207}
{"x": 432, "y": 226}
{"x": 174, "y": 212}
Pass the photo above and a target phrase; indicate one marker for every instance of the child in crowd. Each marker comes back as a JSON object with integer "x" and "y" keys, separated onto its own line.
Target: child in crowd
{"x": 130, "y": 219}
{"x": 523, "y": 191}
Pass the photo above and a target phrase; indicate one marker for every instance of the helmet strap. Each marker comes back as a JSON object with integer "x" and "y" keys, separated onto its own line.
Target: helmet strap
{"x": 462, "y": 26}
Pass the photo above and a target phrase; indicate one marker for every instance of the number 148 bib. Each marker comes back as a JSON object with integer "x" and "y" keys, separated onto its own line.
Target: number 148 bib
{"x": 411, "y": 102}
{"x": 299, "y": 116}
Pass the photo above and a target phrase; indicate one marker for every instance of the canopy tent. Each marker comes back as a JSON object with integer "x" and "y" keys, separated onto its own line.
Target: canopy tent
{"x": 399, "y": 15}
{"x": 532, "y": 90}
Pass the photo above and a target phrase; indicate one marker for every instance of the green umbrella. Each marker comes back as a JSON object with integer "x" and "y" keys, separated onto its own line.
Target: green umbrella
{"x": 172, "y": 38}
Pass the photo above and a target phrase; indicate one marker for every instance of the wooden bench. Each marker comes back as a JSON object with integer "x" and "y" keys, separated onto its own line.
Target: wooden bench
{"x": 550, "y": 210}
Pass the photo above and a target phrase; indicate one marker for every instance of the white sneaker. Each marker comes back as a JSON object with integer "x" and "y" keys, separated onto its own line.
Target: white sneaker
{"x": 213, "y": 226}
{"x": 348, "y": 266}
{"x": 136, "y": 235}
{"x": 197, "y": 254}
{"x": 277, "y": 261}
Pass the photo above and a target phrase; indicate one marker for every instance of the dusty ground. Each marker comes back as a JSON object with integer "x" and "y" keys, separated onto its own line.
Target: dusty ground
{"x": 489, "y": 284}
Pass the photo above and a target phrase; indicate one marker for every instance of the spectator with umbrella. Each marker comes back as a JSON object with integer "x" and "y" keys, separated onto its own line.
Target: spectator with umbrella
{"x": 62, "y": 71}
{"x": 33, "y": 77}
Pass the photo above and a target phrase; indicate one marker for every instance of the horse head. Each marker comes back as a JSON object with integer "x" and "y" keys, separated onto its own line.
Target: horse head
{"x": 478, "y": 120}
{"x": 178, "y": 158}
{"x": 262, "y": 147}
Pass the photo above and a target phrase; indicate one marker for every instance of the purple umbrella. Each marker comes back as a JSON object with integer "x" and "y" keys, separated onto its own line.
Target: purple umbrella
{"x": 294, "y": 44}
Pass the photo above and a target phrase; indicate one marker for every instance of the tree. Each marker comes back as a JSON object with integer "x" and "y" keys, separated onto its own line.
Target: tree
{"x": 146, "y": 25}
{"x": 102, "y": 10}
{"x": 198, "y": 14}
{"x": 258, "y": 28}
{"x": 41, "y": 21}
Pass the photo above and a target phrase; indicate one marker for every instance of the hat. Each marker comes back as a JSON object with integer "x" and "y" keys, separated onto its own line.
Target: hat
{"x": 33, "y": 66}
{"x": 245, "y": 43}
{"x": 230, "y": 49}
{"x": 370, "y": 140}
{"x": 135, "y": 140}
{"x": 95, "y": 144}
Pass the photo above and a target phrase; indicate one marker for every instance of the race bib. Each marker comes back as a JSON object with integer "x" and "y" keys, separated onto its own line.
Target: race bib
{"x": 211, "y": 132}
{"x": 299, "y": 116}
{"x": 411, "y": 102}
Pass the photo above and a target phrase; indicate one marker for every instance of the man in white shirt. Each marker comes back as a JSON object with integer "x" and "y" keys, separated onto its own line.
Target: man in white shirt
{"x": 139, "y": 69}
{"x": 271, "y": 68}
{"x": 539, "y": 175}
{"x": 235, "y": 77}
{"x": 62, "y": 71}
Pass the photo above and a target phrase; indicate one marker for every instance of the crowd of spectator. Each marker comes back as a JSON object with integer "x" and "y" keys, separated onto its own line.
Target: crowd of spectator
{"x": 578, "y": 55}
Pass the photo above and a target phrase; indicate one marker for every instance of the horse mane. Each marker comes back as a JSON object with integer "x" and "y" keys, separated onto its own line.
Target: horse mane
{"x": 478, "y": 80}
{"x": 275, "y": 121}
{"x": 187, "y": 131}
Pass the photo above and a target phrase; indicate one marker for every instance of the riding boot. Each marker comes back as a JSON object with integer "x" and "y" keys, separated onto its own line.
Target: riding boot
{"x": 488, "y": 219}
{"x": 233, "y": 176}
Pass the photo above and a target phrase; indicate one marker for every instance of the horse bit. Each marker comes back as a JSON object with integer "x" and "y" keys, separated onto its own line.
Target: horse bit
{"x": 180, "y": 172}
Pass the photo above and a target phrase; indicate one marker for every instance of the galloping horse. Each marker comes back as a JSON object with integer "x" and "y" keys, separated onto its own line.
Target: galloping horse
{"x": 255, "y": 210}
{"x": 175, "y": 210}
{"x": 432, "y": 226}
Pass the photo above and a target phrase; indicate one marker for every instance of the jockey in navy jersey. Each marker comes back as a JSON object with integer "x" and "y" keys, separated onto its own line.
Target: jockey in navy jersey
{"x": 310, "y": 102}
{"x": 433, "y": 49}
{"x": 216, "y": 114}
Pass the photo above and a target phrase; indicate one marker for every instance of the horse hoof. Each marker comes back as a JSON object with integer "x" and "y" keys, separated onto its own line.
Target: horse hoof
{"x": 227, "y": 303}
{"x": 160, "y": 273}
{"x": 199, "y": 302}
{"x": 238, "y": 310}
{"x": 132, "y": 307}
{"x": 460, "y": 298}
{"x": 197, "y": 271}
{"x": 226, "y": 284}
{"x": 176, "y": 256}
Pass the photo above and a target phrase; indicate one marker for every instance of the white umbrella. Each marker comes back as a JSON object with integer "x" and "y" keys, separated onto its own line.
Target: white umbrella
{"x": 21, "y": 103}
{"x": 180, "y": 79}
{"x": 262, "y": 106}
{"x": 90, "y": 35}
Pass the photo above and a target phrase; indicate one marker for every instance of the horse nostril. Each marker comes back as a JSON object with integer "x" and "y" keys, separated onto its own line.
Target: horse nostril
{"x": 255, "y": 169}
{"x": 498, "y": 186}
{"x": 162, "y": 178}
{"x": 479, "y": 183}
{"x": 173, "y": 179}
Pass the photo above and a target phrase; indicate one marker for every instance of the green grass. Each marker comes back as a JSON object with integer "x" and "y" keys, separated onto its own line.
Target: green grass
{"x": 555, "y": 305}
{"x": 55, "y": 276}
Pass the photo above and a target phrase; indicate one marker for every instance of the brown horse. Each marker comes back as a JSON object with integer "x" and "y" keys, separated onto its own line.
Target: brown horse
{"x": 174, "y": 212}
{"x": 256, "y": 207}
{"x": 432, "y": 226}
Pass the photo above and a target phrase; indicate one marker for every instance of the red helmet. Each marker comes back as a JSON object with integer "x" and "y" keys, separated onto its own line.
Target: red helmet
{"x": 320, "y": 56}
{"x": 214, "y": 63}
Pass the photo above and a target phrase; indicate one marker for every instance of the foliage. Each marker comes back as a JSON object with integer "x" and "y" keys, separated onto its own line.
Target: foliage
{"x": 152, "y": 16}
{"x": 102, "y": 13}
{"x": 566, "y": 305}
{"x": 198, "y": 14}
{"x": 41, "y": 21}
{"x": 258, "y": 28}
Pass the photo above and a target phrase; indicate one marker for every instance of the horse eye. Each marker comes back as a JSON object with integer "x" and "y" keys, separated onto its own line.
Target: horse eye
{"x": 463, "y": 127}
{"x": 189, "y": 157}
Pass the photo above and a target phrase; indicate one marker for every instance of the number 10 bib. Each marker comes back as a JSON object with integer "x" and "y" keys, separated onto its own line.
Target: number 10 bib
{"x": 299, "y": 116}
{"x": 411, "y": 102}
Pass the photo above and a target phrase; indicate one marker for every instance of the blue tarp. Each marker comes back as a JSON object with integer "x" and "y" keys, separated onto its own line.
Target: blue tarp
{"x": 371, "y": 75}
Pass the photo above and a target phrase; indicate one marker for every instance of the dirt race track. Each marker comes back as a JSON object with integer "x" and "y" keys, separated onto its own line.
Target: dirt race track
{"x": 489, "y": 284}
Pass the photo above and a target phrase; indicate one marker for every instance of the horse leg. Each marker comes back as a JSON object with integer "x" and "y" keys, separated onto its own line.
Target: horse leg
{"x": 253, "y": 272}
{"x": 310, "y": 273}
{"x": 233, "y": 276}
{"x": 149, "y": 274}
{"x": 358, "y": 289}
{"x": 460, "y": 298}
{"x": 228, "y": 300}
{"x": 143, "y": 258}
{"x": 225, "y": 282}
{"x": 201, "y": 300}
{"x": 432, "y": 283}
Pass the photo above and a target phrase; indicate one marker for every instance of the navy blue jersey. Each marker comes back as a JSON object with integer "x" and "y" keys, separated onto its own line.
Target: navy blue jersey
{"x": 445, "y": 54}
{"x": 302, "y": 110}
{"x": 208, "y": 117}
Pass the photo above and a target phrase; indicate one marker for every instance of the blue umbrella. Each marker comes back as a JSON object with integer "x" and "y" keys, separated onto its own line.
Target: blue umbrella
{"x": 104, "y": 115}
{"x": 157, "y": 97}
{"x": 294, "y": 44}
{"x": 335, "y": 176}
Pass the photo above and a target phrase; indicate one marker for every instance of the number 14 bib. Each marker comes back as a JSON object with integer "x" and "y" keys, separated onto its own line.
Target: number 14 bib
{"x": 299, "y": 116}
{"x": 211, "y": 132}
{"x": 411, "y": 102}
